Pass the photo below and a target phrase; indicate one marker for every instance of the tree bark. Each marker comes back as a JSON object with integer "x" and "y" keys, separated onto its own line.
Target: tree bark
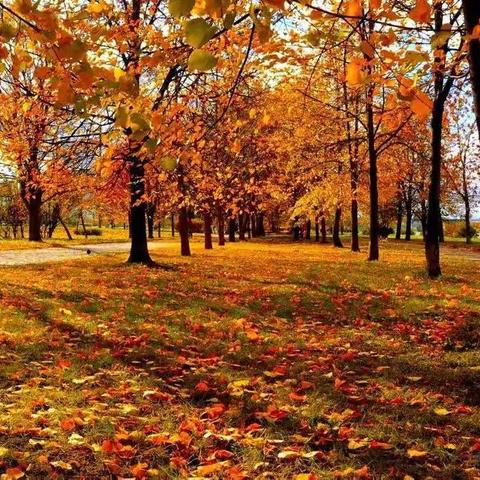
{"x": 172, "y": 219}
{"x": 317, "y": 230}
{"x": 308, "y": 230}
{"x": 150, "y": 218}
{"x": 323, "y": 229}
{"x": 434, "y": 218}
{"x": 337, "y": 241}
{"x": 373, "y": 249}
{"x": 253, "y": 218}
{"x": 260, "y": 225}
{"x": 65, "y": 227}
{"x": 471, "y": 11}
{"x": 398, "y": 232}
{"x": 35, "y": 218}
{"x": 409, "y": 217}
{"x": 183, "y": 229}
{"x": 139, "y": 246}
{"x": 207, "y": 226}
{"x": 231, "y": 229}
{"x": 242, "y": 218}
{"x": 221, "y": 226}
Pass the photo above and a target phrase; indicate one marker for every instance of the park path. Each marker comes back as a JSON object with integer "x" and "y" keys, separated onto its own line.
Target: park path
{"x": 59, "y": 254}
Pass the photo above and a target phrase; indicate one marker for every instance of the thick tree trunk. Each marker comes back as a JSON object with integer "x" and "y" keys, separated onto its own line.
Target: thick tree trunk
{"x": 323, "y": 229}
{"x": 471, "y": 10}
{"x": 207, "y": 228}
{"x": 183, "y": 230}
{"x": 308, "y": 230}
{"x": 337, "y": 241}
{"x": 231, "y": 229}
{"x": 139, "y": 246}
{"x": 221, "y": 227}
{"x": 408, "y": 219}
{"x": 242, "y": 218}
{"x": 35, "y": 218}
{"x": 260, "y": 225}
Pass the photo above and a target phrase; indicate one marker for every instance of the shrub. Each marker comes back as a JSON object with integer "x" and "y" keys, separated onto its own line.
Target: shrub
{"x": 93, "y": 232}
{"x": 384, "y": 231}
{"x": 463, "y": 232}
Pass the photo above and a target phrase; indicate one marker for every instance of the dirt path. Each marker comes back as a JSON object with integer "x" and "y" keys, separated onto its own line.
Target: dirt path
{"x": 59, "y": 254}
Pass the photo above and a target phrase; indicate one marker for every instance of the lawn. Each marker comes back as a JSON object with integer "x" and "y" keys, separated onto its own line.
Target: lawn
{"x": 266, "y": 360}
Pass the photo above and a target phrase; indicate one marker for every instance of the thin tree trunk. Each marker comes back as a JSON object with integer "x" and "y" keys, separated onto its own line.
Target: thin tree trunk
{"x": 398, "y": 232}
{"x": 323, "y": 229}
{"x": 207, "y": 225}
{"x": 231, "y": 229}
{"x": 65, "y": 227}
{"x": 409, "y": 216}
{"x": 221, "y": 226}
{"x": 172, "y": 219}
{"x": 317, "y": 230}
{"x": 434, "y": 218}
{"x": 150, "y": 218}
{"x": 355, "y": 246}
{"x": 183, "y": 229}
{"x": 337, "y": 241}
{"x": 82, "y": 220}
{"x": 467, "y": 219}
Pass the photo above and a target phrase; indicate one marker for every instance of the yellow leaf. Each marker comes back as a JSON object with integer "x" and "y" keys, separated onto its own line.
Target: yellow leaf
{"x": 422, "y": 12}
{"x": 412, "y": 453}
{"x": 441, "y": 411}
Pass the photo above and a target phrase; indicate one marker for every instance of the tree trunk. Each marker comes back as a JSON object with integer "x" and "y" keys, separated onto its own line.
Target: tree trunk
{"x": 231, "y": 229}
{"x": 242, "y": 217}
{"x": 207, "y": 226}
{"x": 434, "y": 218}
{"x": 150, "y": 218}
{"x": 183, "y": 230}
{"x": 65, "y": 227}
{"x": 398, "y": 232}
{"x": 409, "y": 215}
{"x": 308, "y": 230}
{"x": 355, "y": 246}
{"x": 139, "y": 246}
{"x": 260, "y": 225}
{"x": 221, "y": 227}
{"x": 373, "y": 249}
{"x": 323, "y": 229}
{"x": 317, "y": 230}
{"x": 467, "y": 219}
{"x": 35, "y": 218}
{"x": 253, "y": 218}
{"x": 82, "y": 221}
{"x": 337, "y": 241}
{"x": 471, "y": 11}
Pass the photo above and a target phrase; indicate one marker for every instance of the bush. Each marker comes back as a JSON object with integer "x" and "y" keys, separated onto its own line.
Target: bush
{"x": 463, "y": 232}
{"x": 92, "y": 232}
{"x": 384, "y": 231}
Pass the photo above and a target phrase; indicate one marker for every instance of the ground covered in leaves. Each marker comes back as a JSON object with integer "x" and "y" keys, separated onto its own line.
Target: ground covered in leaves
{"x": 264, "y": 360}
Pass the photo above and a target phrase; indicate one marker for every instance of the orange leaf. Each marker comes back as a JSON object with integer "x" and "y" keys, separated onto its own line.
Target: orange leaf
{"x": 422, "y": 12}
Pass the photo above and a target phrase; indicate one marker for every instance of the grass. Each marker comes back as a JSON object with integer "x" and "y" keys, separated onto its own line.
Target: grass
{"x": 259, "y": 360}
